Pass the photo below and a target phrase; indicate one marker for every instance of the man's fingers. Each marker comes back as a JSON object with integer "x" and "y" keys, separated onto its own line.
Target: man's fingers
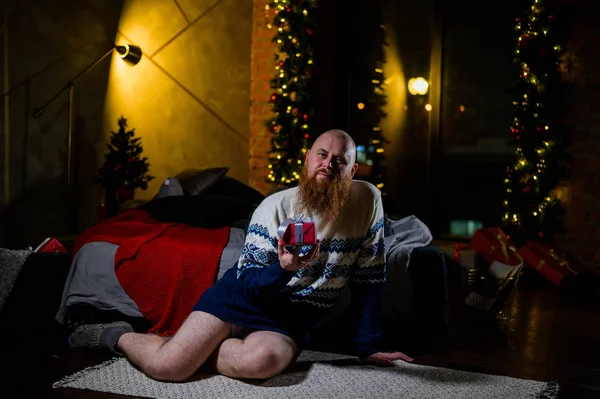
{"x": 397, "y": 356}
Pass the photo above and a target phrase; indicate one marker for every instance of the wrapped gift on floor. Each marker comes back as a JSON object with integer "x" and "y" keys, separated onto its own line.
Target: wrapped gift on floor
{"x": 496, "y": 286}
{"x": 465, "y": 257}
{"x": 461, "y": 254}
{"x": 298, "y": 231}
{"x": 500, "y": 253}
{"x": 549, "y": 262}
{"x": 51, "y": 244}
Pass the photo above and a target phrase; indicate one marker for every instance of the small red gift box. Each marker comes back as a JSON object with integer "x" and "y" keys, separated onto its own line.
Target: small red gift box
{"x": 51, "y": 245}
{"x": 494, "y": 246}
{"x": 548, "y": 262}
{"x": 298, "y": 231}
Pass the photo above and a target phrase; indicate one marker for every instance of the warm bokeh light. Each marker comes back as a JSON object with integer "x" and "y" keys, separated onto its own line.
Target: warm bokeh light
{"x": 361, "y": 106}
{"x": 428, "y": 107}
{"x": 418, "y": 86}
{"x": 462, "y": 108}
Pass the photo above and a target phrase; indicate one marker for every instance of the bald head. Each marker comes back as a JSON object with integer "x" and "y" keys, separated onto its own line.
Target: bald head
{"x": 333, "y": 155}
{"x": 343, "y": 138}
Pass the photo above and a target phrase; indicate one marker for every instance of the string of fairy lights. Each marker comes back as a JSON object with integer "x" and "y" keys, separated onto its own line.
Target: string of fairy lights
{"x": 529, "y": 207}
{"x": 291, "y": 100}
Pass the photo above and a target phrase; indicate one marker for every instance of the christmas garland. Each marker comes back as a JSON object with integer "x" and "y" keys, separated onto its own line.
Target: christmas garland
{"x": 531, "y": 211}
{"x": 291, "y": 100}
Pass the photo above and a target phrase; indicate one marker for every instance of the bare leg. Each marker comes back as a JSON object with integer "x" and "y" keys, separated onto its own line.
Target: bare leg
{"x": 178, "y": 358}
{"x": 262, "y": 354}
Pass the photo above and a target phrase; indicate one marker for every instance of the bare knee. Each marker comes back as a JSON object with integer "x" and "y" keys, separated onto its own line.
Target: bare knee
{"x": 265, "y": 361}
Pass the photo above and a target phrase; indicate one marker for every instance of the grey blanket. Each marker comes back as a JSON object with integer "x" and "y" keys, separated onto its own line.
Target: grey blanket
{"x": 92, "y": 278}
{"x": 408, "y": 234}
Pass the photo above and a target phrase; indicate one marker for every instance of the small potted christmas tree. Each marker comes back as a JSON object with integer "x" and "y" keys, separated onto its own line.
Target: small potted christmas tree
{"x": 124, "y": 168}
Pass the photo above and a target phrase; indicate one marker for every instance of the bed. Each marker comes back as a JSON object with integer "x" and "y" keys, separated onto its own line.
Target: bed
{"x": 93, "y": 293}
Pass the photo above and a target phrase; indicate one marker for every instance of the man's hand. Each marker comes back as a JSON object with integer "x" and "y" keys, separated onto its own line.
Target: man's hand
{"x": 387, "y": 358}
{"x": 292, "y": 261}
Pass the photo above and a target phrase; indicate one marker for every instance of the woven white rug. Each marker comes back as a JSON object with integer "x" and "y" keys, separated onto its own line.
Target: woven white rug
{"x": 315, "y": 375}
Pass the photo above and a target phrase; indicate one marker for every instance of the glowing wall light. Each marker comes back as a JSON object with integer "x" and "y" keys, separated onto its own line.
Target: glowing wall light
{"x": 418, "y": 86}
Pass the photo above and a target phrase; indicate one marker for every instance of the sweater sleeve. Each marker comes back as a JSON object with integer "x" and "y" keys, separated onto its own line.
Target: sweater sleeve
{"x": 259, "y": 271}
{"x": 367, "y": 285}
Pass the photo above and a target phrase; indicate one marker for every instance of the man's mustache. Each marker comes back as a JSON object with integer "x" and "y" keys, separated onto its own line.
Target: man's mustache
{"x": 326, "y": 171}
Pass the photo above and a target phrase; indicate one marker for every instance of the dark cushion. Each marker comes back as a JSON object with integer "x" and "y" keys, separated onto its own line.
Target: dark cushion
{"x": 230, "y": 187}
{"x": 202, "y": 210}
{"x": 196, "y": 181}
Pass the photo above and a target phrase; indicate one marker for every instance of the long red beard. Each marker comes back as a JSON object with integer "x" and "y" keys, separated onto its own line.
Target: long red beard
{"x": 322, "y": 198}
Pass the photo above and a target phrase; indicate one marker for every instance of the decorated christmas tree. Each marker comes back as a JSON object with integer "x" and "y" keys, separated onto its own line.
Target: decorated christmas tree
{"x": 124, "y": 166}
{"x": 292, "y": 97}
{"x": 531, "y": 211}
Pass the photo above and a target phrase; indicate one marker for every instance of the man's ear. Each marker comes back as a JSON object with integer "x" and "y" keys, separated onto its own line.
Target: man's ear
{"x": 306, "y": 155}
{"x": 354, "y": 169}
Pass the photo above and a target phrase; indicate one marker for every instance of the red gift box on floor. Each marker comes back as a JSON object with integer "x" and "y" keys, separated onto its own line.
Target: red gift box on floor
{"x": 51, "y": 245}
{"x": 298, "y": 231}
{"x": 548, "y": 262}
{"x": 494, "y": 246}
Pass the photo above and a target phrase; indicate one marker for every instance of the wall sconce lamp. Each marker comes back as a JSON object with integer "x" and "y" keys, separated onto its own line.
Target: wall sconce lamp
{"x": 129, "y": 53}
{"x": 418, "y": 86}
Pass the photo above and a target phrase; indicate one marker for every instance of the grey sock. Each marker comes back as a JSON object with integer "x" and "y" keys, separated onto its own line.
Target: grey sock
{"x": 99, "y": 335}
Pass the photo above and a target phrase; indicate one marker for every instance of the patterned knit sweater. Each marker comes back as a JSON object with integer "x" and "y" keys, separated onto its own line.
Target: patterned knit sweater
{"x": 351, "y": 252}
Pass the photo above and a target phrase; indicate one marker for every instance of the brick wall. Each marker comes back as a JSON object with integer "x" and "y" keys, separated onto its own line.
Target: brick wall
{"x": 260, "y": 110}
{"x": 582, "y": 220}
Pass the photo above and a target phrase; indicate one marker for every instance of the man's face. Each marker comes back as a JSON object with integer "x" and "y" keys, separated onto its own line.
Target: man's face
{"x": 330, "y": 158}
{"x": 326, "y": 178}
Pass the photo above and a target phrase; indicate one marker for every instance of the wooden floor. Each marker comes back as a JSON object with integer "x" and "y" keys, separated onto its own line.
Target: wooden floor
{"x": 555, "y": 335}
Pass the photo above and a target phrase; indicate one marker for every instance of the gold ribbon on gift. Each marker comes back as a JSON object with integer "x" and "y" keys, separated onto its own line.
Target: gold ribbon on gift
{"x": 517, "y": 253}
{"x": 561, "y": 261}
{"x": 504, "y": 248}
{"x": 540, "y": 264}
{"x": 502, "y": 239}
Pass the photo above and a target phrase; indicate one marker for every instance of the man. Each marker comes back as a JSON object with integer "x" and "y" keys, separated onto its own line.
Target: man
{"x": 254, "y": 321}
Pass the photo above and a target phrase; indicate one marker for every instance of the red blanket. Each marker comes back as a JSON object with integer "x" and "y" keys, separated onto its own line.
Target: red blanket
{"x": 163, "y": 267}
